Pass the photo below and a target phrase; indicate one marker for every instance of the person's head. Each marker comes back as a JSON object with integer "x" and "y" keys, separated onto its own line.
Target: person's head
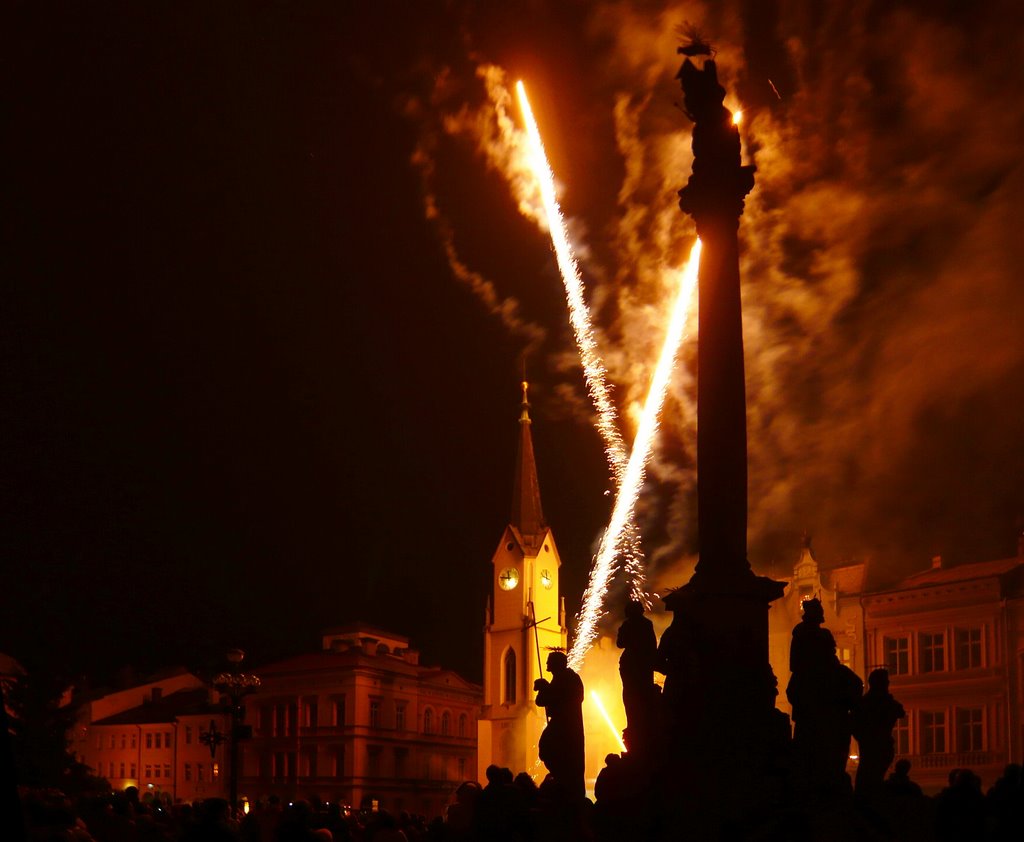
{"x": 493, "y": 773}
{"x": 612, "y": 759}
{"x": 813, "y": 612}
{"x": 879, "y": 680}
{"x": 902, "y": 767}
{"x": 557, "y": 663}
{"x": 634, "y": 609}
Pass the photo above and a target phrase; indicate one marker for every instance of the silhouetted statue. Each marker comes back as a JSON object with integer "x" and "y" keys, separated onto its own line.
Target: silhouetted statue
{"x": 561, "y": 744}
{"x": 636, "y": 665}
{"x": 872, "y": 723}
{"x": 822, "y": 692}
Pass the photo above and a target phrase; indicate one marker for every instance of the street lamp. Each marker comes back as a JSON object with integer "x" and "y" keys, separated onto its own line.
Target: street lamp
{"x": 236, "y": 685}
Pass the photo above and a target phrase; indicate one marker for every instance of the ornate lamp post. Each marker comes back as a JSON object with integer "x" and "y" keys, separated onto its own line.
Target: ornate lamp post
{"x": 236, "y": 686}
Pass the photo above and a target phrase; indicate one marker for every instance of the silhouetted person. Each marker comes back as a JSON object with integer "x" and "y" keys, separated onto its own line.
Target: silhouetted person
{"x": 561, "y": 744}
{"x": 899, "y": 782}
{"x": 1005, "y": 803}
{"x": 873, "y": 720}
{"x": 822, "y": 692}
{"x": 636, "y": 665}
{"x": 960, "y": 809}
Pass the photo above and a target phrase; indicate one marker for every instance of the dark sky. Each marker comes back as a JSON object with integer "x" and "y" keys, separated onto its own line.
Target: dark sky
{"x": 247, "y": 397}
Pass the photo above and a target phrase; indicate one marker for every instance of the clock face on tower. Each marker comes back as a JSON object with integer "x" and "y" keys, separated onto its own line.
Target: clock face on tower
{"x": 508, "y": 578}
{"x": 545, "y": 578}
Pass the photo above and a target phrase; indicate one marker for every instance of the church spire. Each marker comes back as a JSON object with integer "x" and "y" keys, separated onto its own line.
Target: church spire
{"x": 527, "y": 515}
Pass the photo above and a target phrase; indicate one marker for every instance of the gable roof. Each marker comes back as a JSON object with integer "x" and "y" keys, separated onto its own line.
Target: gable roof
{"x": 194, "y": 700}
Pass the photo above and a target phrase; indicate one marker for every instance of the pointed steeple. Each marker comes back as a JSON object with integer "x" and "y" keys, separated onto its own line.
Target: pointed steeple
{"x": 527, "y": 515}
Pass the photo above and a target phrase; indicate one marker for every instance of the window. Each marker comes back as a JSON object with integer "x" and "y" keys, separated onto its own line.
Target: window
{"x": 969, "y": 729}
{"x": 124, "y": 741}
{"x": 111, "y": 741}
{"x": 309, "y": 713}
{"x": 933, "y": 652}
{"x": 901, "y": 736}
{"x": 462, "y": 728}
{"x": 216, "y": 772}
{"x": 133, "y": 741}
{"x": 149, "y": 771}
{"x": 375, "y": 713}
{"x": 967, "y": 648}
{"x": 933, "y": 732}
{"x": 373, "y": 762}
{"x": 149, "y": 741}
{"x": 446, "y": 724}
{"x": 428, "y": 721}
{"x": 156, "y": 741}
{"x": 133, "y": 769}
{"x": 167, "y": 739}
{"x": 188, "y": 735}
{"x": 400, "y": 716}
{"x": 121, "y": 769}
{"x": 156, "y": 770}
{"x": 188, "y": 771}
{"x": 509, "y": 696}
{"x": 167, "y": 770}
{"x": 338, "y": 711}
{"x": 199, "y": 772}
{"x": 897, "y": 655}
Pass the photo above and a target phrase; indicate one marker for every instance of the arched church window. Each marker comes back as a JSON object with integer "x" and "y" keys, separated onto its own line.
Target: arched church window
{"x": 446, "y": 724}
{"x": 511, "y": 677}
{"x": 428, "y": 721}
{"x": 462, "y": 725}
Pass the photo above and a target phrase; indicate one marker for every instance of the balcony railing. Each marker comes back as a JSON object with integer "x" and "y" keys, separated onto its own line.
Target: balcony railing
{"x": 957, "y": 760}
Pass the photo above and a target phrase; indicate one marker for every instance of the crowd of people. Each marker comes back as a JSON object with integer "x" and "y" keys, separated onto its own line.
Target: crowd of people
{"x": 512, "y": 808}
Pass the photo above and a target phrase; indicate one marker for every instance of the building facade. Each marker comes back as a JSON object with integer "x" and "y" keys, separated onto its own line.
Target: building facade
{"x": 361, "y": 722}
{"x": 525, "y": 620}
{"x": 952, "y": 639}
{"x": 152, "y": 737}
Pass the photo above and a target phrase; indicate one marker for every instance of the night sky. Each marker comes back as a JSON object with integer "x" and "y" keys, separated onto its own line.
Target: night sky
{"x": 247, "y": 394}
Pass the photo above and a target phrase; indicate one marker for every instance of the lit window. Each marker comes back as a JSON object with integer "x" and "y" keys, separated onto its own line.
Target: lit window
{"x": 969, "y": 729}
{"x": 933, "y": 732}
{"x": 967, "y": 648}
{"x": 897, "y": 655}
{"x": 933, "y": 651}
{"x": 216, "y": 771}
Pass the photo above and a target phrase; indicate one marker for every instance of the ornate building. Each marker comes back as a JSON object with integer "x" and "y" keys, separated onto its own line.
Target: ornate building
{"x": 361, "y": 722}
{"x": 150, "y": 736}
{"x": 953, "y": 641}
{"x": 525, "y": 619}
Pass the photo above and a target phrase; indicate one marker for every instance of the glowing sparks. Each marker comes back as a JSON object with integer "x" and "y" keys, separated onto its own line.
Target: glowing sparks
{"x": 604, "y": 713}
{"x": 633, "y": 476}
{"x": 579, "y": 317}
{"x": 737, "y": 117}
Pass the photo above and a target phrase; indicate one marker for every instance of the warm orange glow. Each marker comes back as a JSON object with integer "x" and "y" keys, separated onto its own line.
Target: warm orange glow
{"x": 608, "y": 719}
{"x": 633, "y": 477}
{"x": 737, "y": 117}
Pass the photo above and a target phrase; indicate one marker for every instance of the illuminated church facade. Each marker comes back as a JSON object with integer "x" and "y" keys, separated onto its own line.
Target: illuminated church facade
{"x": 525, "y": 620}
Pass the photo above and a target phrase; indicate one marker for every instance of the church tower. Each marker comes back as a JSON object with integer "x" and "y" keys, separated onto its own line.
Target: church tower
{"x": 525, "y": 619}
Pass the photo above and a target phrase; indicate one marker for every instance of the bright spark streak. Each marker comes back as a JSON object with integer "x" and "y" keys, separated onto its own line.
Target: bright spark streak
{"x": 579, "y": 318}
{"x": 633, "y": 477}
{"x": 608, "y": 719}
